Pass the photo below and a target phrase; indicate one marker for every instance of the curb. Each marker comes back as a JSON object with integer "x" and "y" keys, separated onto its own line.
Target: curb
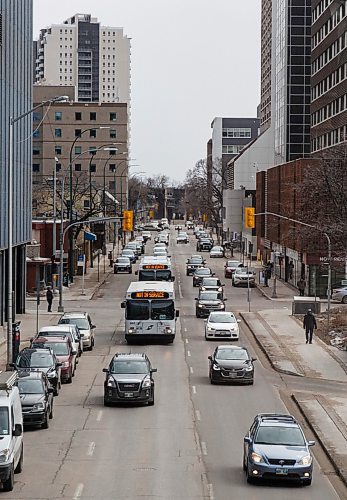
{"x": 99, "y": 285}
{"x": 338, "y": 471}
{"x": 279, "y": 370}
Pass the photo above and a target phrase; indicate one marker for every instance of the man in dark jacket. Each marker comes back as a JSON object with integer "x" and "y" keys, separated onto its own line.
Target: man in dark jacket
{"x": 309, "y": 324}
{"x": 49, "y": 297}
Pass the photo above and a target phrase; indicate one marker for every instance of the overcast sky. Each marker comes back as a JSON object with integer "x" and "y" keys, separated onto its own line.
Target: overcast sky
{"x": 191, "y": 60}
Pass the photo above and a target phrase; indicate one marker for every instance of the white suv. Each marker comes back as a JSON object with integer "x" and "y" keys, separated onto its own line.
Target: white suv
{"x": 85, "y": 325}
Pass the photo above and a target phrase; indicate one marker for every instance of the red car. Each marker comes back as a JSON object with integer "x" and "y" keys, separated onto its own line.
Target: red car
{"x": 230, "y": 267}
{"x": 62, "y": 348}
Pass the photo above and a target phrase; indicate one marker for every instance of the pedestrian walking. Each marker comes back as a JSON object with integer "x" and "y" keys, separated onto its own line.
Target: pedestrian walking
{"x": 49, "y": 297}
{"x": 267, "y": 273}
{"x": 301, "y": 284}
{"x": 309, "y": 324}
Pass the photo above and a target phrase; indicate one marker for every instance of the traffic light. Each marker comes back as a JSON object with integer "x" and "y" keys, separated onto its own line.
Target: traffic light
{"x": 128, "y": 220}
{"x": 249, "y": 217}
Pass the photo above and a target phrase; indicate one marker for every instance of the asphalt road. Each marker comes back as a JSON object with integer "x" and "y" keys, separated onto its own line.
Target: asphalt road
{"x": 187, "y": 446}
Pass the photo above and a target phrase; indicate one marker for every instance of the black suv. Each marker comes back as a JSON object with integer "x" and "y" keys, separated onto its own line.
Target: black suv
{"x": 209, "y": 301}
{"x": 231, "y": 364}
{"x": 129, "y": 380}
{"x": 36, "y": 397}
{"x": 204, "y": 244}
{"x": 194, "y": 263}
{"x": 41, "y": 359}
{"x": 200, "y": 273}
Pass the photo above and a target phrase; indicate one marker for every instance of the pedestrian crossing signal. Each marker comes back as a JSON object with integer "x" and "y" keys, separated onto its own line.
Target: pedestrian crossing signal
{"x": 249, "y": 217}
{"x": 128, "y": 220}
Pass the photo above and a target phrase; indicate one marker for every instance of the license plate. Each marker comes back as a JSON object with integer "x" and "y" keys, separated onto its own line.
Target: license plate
{"x": 282, "y": 472}
{"x": 128, "y": 394}
{"x": 232, "y": 375}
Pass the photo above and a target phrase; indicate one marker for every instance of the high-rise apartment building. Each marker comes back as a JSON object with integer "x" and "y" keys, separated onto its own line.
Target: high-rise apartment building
{"x": 80, "y": 52}
{"x": 266, "y": 54}
{"x": 15, "y": 99}
{"x": 329, "y": 74}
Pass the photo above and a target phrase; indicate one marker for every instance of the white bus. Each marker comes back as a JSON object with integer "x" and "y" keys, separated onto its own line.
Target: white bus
{"x": 150, "y": 312}
{"x": 153, "y": 268}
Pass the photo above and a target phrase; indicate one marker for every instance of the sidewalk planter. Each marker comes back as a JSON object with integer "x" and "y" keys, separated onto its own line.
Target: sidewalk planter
{"x": 301, "y": 304}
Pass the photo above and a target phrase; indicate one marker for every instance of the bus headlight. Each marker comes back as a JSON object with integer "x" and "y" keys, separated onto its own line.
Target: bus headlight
{"x": 132, "y": 330}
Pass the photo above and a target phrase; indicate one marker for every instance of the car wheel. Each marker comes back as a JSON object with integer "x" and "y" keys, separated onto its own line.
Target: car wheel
{"x": 56, "y": 390}
{"x": 115, "y": 272}
{"x": 249, "y": 478}
{"x": 307, "y": 482}
{"x": 106, "y": 403}
{"x": 130, "y": 271}
{"x": 51, "y": 412}
{"x": 93, "y": 341}
{"x": 45, "y": 424}
{"x": 9, "y": 483}
{"x": 344, "y": 299}
{"x": 69, "y": 379}
{"x": 233, "y": 283}
{"x": 19, "y": 467}
{"x": 244, "y": 466}
{"x": 151, "y": 401}
{"x": 206, "y": 338}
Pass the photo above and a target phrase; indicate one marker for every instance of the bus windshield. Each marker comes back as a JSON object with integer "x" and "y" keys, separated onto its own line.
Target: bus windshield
{"x": 162, "y": 310}
{"x": 137, "y": 310}
{"x": 154, "y": 275}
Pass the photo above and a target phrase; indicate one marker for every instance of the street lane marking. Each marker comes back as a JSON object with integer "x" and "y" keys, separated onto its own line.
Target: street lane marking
{"x": 78, "y": 491}
{"x": 210, "y": 489}
{"x": 91, "y": 449}
{"x": 188, "y": 354}
{"x": 185, "y": 329}
{"x": 187, "y": 341}
{"x": 194, "y": 389}
{"x": 198, "y": 415}
{"x": 204, "y": 448}
{"x": 191, "y": 370}
{"x": 99, "y": 416}
{"x": 180, "y": 291}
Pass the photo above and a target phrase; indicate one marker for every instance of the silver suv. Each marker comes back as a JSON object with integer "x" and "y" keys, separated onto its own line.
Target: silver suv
{"x": 85, "y": 326}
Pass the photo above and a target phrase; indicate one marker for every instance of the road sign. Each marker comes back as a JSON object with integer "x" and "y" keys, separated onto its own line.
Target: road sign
{"x": 80, "y": 260}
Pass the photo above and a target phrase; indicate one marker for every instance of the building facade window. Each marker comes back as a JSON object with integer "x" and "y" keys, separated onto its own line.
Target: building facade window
{"x": 237, "y": 132}
{"x": 36, "y": 167}
{"x": 57, "y": 132}
{"x": 58, "y": 115}
{"x": 231, "y": 149}
{"x": 93, "y": 167}
{"x": 78, "y": 150}
{"x": 58, "y": 150}
{"x": 78, "y": 132}
{"x": 113, "y": 117}
{"x": 92, "y": 132}
{"x": 78, "y": 116}
{"x": 92, "y": 116}
{"x": 78, "y": 167}
{"x": 36, "y": 150}
{"x": 113, "y": 133}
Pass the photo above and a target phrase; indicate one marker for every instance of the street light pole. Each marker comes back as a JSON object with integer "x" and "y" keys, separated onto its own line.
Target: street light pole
{"x": 11, "y": 123}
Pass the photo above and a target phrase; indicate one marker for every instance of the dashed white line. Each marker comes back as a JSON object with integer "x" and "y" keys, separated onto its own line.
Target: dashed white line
{"x": 188, "y": 354}
{"x": 210, "y": 490}
{"x": 198, "y": 415}
{"x": 91, "y": 448}
{"x": 185, "y": 329}
{"x": 99, "y": 416}
{"x": 187, "y": 341}
{"x": 203, "y": 448}
{"x": 78, "y": 491}
{"x": 194, "y": 389}
{"x": 191, "y": 370}
{"x": 180, "y": 291}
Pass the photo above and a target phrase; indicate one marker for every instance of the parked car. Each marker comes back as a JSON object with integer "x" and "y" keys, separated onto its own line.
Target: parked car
{"x": 211, "y": 284}
{"x": 230, "y": 267}
{"x": 222, "y": 324}
{"x": 200, "y": 273}
{"x": 129, "y": 379}
{"x": 243, "y": 276}
{"x": 207, "y": 302}
{"x": 61, "y": 330}
{"x": 36, "y": 397}
{"x": 216, "y": 252}
{"x": 122, "y": 264}
{"x": 126, "y": 252}
{"x": 231, "y": 364}
{"x": 275, "y": 447}
{"x": 340, "y": 294}
{"x": 62, "y": 348}
{"x": 193, "y": 263}
{"x": 85, "y": 325}
{"x": 41, "y": 360}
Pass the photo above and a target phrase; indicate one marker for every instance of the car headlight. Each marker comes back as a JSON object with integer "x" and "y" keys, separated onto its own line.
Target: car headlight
{"x": 52, "y": 374}
{"x": 256, "y": 458}
{"x": 203, "y": 288}
{"x": 210, "y": 329}
{"x": 5, "y": 455}
{"x": 306, "y": 460}
{"x": 65, "y": 364}
{"x": 168, "y": 329}
{"x": 200, "y": 305}
{"x": 220, "y": 289}
{"x": 221, "y": 306}
{"x": 86, "y": 335}
{"x": 38, "y": 407}
{"x": 249, "y": 368}
{"x": 146, "y": 382}
{"x": 110, "y": 382}
{"x": 215, "y": 366}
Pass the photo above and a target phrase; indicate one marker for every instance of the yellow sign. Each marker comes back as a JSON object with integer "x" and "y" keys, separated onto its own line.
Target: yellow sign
{"x": 128, "y": 220}
{"x": 249, "y": 217}
{"x": 149, "y": 295}
{"x": 154, "y": 266}
{"x": 151, "y": 214}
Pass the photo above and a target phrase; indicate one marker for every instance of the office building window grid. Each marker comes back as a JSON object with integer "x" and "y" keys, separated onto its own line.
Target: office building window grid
{"x": 237, "y": 132}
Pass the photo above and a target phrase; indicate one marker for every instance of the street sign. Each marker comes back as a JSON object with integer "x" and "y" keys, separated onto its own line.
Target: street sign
{"x": 80, "y": 260}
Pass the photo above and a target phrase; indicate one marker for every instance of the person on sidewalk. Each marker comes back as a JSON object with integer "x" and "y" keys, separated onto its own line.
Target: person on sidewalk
{"x": 301, "y": 284}
{"x": 309, "y": 324}
{"x": 267, "y": 273}
{"x": 49, "y": 297}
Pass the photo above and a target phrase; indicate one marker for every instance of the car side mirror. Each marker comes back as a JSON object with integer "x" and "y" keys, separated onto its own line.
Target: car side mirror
{"x": 225, "y": 299}
{"x": 92, "y": 327}
{"x": 222, "y": 284}
{"x": 154, "y": 370}
{"x": 122, "y": 304}
{"x": 247, "y": 439}
{"x": 205, "y": 320}
{"x": 254, "y": 359}
{"x": 59, "y": 364}
{"x": 238, "y": 320}
{"x": 311, "y": 443}
{"x": 18, "y": 430}
{"x": 196, "y": 298}
{"x": 177, "y": 314}
{"x": 50, "y": 390}
{"x": 73, "y": 353}
{"x": 173, "y": 278}
{"x": 209, "y": 357}
{"x": 31, "y": 339}
{"x": 105, "y": 370}
{"x": 213, "y": 274}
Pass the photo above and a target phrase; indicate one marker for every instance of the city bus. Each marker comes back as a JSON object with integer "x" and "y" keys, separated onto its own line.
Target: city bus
{"x": 153, "y": 268}
{"x": 150, "y": 312}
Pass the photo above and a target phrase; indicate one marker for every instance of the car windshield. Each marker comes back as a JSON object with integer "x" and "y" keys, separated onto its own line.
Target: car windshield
{"x": 59, "y": 348}
{"x": 210, "y": 282}
{"x": 34, "y": 360}
{"x": 210, "y": 296}
{"x": 162, "y": 310}
{"x": 194, "y": 261}
{"x": 204, "y": 271}
{"x": 221, "y": 318}
{"x": 129, "y": 366}
{"x": 280, "y": 435}
{"x": 217, "y": 249}
{"x": 233, "y": 263}
{"x": 82, "y": 323}
{"x": 229, "y": 354}
{"x": 127, "y": 252}
{"x": 123, "y": 260}
{"x": 30, "y": 386}
{"x": 154, "y": 275}
{"x": 4, "y": 422}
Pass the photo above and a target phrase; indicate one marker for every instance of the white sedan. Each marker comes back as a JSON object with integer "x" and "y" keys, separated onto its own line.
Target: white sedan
{"x": 340, "y": 294}
{"x": 222, "y": 325}
{"x": 217, "y": 252}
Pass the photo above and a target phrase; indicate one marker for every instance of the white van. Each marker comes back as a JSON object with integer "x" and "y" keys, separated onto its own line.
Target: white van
{"x": 11, "y": 430}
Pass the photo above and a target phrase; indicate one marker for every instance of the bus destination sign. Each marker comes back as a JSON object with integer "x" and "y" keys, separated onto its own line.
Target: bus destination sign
{"x": 154, "y": 266}
{"x": 150, "y": 295}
